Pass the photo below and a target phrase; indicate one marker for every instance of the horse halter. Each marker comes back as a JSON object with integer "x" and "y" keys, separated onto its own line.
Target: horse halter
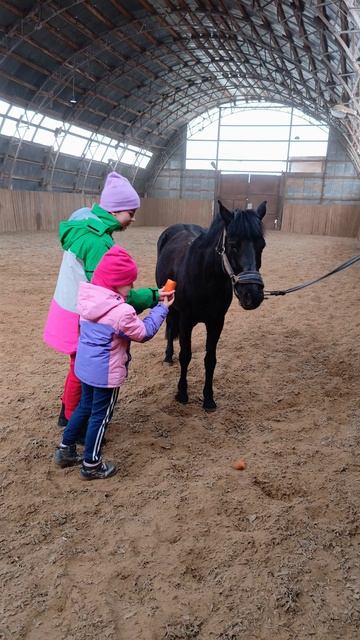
{"x": 245, "y": 277}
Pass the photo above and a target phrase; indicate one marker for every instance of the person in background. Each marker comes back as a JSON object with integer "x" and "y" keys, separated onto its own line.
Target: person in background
{"x": 108, "y": 324}
{"x": 85, "y": 238}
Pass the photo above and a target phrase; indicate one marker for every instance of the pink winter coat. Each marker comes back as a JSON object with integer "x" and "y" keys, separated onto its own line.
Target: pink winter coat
{"x": 107, "y": 326}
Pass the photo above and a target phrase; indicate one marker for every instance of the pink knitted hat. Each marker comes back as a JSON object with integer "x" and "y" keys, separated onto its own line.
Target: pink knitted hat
{"x": 115, "y": 269}
{"x": 118, "y": 194}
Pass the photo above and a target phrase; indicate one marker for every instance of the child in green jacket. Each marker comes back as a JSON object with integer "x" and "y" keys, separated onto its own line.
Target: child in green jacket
{"x": 85, "y": 238}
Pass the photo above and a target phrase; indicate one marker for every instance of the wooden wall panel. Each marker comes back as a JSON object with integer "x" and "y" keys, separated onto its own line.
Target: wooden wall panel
{"x": 329, "y": 220}
{"x": 7, "y": 216}
{"x": 42, "y": 210}
{"x": 164, "y": 212}
{"x": 35, "y": 211}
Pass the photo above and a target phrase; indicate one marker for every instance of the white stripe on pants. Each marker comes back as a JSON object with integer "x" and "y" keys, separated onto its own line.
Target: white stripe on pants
{"x": 104, "y": 424}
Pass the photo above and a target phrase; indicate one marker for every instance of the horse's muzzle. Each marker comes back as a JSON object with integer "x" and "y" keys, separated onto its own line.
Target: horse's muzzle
{"x": 250, "y": 295}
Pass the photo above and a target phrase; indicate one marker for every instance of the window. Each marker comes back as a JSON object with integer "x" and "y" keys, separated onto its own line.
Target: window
{"x": 67, "y": 138}
{"x": 8, "y": 128}
{"x": 253, "y": 138}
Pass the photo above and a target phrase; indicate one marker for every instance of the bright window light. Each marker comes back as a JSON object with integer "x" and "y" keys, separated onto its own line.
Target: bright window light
{"x": 4, "y": 107}
{"x": 42, "y": 136}
{"x": 67, "y": 138}
{"x": 209, "y": 132}
{"x": 79, "y": 131}
{"x": 110, "y": 154}
{"x": 256, "y": 116}
{"x": 96, "y": 152}
{"x": 27, "y": 132}
{"x": 50, "y": 123}
{"x": 197, "y": 164}
{"x": 107, "y": 140}
{"x": 34, "y": 118}
{"x": 129, "y": 157}
{"x": 201, "y": 149}
{"x": 307, "y": 148}
{"x": 253, "y": 138}
{"x": 72, "y": 145}
{"x": 143, "y": 161}
{"x": 308, "y": 132}
{"x": 206, "y": 122}
{"x": 277, "y": 132}
{"x": 249, "y": 166}
{"x": 235, "y": 150}
{"x": 8, "y": 128}
{"x": 16, "y": 112}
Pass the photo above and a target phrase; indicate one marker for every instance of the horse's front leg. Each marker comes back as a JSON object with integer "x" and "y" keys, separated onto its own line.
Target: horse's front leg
{"x": 213, "y": 331}
{"x": 184, "y": 359}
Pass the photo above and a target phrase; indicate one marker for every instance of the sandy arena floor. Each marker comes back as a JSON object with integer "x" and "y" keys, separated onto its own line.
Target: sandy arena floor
{"x": 179, "y": 545}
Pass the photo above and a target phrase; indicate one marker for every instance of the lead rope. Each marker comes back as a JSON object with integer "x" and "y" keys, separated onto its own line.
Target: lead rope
{"x": 283, "y": 292}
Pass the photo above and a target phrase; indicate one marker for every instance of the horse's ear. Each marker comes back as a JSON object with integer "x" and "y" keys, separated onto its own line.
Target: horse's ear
{"x": 261, "y": 210}
{"x": 226, "y": 215}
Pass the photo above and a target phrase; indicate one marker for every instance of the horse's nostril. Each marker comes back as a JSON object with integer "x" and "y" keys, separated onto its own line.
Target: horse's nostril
{"x": 247, "y": 298}
{"x": 250, "y": 297}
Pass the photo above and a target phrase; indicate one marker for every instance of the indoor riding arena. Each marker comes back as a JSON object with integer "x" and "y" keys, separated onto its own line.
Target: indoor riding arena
{"x": 240, "y": 523}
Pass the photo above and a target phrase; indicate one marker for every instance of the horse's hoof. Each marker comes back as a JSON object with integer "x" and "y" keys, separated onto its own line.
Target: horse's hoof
{"x": 168, "y": 362}
{"x": 182, "y": 397}
{"x": 209, "y": 406}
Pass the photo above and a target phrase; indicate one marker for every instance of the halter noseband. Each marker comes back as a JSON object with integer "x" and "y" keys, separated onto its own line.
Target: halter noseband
{"x": 245, "y": 277}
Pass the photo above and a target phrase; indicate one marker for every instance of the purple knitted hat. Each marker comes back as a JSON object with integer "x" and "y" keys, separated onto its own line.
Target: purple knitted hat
{"x": 118, "y": 194}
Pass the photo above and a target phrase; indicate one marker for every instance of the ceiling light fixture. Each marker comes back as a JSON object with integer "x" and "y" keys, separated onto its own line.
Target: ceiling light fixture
{"x": 341, "y": 111}
{"x": 73, "y": 99}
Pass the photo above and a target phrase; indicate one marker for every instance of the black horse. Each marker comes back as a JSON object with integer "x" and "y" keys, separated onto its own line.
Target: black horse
{"x": 208, "y": 264}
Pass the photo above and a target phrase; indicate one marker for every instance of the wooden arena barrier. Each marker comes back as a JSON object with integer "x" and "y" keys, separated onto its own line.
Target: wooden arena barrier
{"x": 42, "y": 211}
{"x": 327, "y": 220}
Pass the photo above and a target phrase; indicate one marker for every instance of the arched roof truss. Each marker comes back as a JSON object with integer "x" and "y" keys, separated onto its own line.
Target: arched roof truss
{"x": 140, "y": 70}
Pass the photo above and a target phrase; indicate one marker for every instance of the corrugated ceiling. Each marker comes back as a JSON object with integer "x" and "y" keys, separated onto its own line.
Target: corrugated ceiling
{"x": 140, "y": 70}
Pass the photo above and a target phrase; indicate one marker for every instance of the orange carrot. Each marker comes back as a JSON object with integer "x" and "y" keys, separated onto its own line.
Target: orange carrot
{"x": 169, "y": 285}
{"x": 240, "y": 464}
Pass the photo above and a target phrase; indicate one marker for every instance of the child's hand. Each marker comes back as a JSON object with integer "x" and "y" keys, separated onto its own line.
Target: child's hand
{"x": 168, "y": 299}
{"x": 165, "y": 294}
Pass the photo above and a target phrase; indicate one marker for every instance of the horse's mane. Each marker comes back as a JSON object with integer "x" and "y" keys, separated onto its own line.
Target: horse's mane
{"x": 245, "y": 224}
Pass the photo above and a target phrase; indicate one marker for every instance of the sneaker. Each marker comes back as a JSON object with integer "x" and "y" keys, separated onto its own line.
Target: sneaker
{"x": 101, "y": 471}
{"x": 67, "y": 456}
{"x": 62, "y": 420}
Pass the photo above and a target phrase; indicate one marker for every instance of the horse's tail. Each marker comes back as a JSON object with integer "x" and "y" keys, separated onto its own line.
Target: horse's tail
{"x": 172, "y": 325}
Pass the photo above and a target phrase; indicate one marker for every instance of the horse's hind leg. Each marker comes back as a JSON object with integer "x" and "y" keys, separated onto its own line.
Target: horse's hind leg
{"x": 172, "y": 332}
{"x": 213, "y": 332}
{"x": 169, "y": 351}
{"x": 184, "y": 359}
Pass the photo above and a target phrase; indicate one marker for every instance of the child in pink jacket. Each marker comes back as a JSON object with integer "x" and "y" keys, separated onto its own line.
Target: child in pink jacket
{"x": 107, "y": 326}
{"x": 85, "y": 238}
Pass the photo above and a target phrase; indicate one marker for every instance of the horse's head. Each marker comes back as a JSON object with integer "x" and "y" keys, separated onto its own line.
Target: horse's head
{"x": 242, "y": 246}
